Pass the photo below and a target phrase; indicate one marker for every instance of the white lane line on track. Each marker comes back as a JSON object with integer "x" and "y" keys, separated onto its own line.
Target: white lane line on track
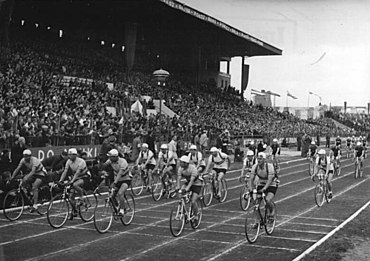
{"x": 276, "y": 248}
{"x": 315, "y": 218}
{"x": 241, "y": 242}
{"x": 303, "y": 231}
{"x": 310, "y": 224}
{"x": 294, "y": 239}
{"x": 322, "y": 240}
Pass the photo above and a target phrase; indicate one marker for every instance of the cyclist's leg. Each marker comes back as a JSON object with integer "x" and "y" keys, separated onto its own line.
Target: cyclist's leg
{"x": 121, "y": 194}
{"x": 196, "y": 192}
{"x": 77, "y": 185}
{"x": 270, "y": 194}
{"x": 35, "y": 190}
{"x": 221, "y": 174}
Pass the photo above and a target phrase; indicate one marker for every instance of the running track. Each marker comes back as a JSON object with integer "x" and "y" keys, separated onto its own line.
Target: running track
{"x": 220, "y": 236}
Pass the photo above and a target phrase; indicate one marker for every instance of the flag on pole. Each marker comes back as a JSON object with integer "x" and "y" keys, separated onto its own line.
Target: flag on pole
{"x": 291, "y": 96}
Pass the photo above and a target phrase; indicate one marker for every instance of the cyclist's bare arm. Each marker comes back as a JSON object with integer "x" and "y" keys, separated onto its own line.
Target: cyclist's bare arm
{"x": 16, "y": 171}
{"x": 121, "y": 173}
{"x": 251, "y": 181}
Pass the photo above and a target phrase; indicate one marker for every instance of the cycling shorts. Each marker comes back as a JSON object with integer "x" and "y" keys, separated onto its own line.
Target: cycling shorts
{"x": 270, "y": 189}
{"x": 195, "y": 188}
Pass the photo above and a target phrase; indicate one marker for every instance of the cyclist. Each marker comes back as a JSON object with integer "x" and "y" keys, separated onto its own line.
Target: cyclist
{"x": 81, "y": 176}
{"x": 166, "y": 160}
{"x": 335, "y": 155}
{"x": 120, "y": 175}
{"x": 275, "y": 151}
{"x": 147, "y": 162}
{"x": 266, "y": 180}
{"x": 55, "y": 165}
{"x": 324, "y": 167}
{"x": 338, "y": 141}
{"x": 221, "y": 163}
{"x": 193, "y": 183}
{"x": 349, "y": 144}
{"x": 196, "y": 158}
{"x": 359, "y": 152}
{"x": 36, "y": 175}
{"x": 253, "y": 147}
{"x": 364, "y": 144}
{"x": 248, "y": 162}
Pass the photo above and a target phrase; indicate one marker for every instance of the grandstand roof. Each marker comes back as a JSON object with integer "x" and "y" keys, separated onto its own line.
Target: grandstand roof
{"x": 167, "y": 23}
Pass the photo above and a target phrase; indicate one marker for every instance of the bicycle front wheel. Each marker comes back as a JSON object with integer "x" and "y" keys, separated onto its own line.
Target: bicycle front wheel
{"x": 245, "y": 198}
{"x": 319, "y": 194}
{"x": 195, "y": 222}
{"x": 13, "y": 204}
{"x": 103, "y": 215}
{"x": 207, "y": 194}
{"x": 356, "y": 169}
{"x": 157, "y": 188}
{"x": 44, "y": 200}
{"x": 270, "y": 220}
{"x": 87, "y": 208}
{"x": 58, "y": 211}
{"x": 137, "y": 185}
{"x": 252, "y": 225}
{"x": 223, "y": 190}
{"x": 177, "y": 220}
{"x": 129, "y": 210}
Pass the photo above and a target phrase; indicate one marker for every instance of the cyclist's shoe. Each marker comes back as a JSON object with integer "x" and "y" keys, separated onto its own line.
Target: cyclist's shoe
{"x": 270, "y": 219}
{"x": 33, "y": 209}
{"x": 330, "y": 195}
{"x": 122, "y": 212}
{"x": 195, "y": 221}
{"x": 73, "y": 214}
{"x": 255, "y": 225}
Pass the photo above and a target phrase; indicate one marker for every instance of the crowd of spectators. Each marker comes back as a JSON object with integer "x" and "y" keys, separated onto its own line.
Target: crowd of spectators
{"x": 38, "y": 103}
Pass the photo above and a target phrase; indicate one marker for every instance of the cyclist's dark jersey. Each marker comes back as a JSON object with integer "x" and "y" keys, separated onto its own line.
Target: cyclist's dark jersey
{"x": 335, "y": 151}
{"x": 364, "y": 143}
{"x": 275, "y": 148}
{"x": 313, "y": 148}
{"x": 349, "y": 142}
{"x": 338, "y": 141}
{"x": 359, "y": 150}
{"x": 253, "y": 149}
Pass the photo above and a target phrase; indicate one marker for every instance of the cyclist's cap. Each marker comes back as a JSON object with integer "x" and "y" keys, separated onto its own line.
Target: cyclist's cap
{"x": 262, "y": 155}
{"x": 214, "y": 149}
{"x": 252, "y": 142}
{"x": 72, "y": 151}
{"x": 313, "y": 142}
{"x": 27, "y": 152}
{"x": 358, "y": 144}
{"x": 65, "y": 153}
{"x": 250, "y": 153}
{"x": 193, "y": 147}
{"x": 113, "y": 153}
{"x": 321, "y": 152}
{"x": 264, "y": 146}
{"x": 144, "y": 145}
{"x": 164, "y": 147}
{"x": 185, "y": 159}
{"x": 275, "y": 140}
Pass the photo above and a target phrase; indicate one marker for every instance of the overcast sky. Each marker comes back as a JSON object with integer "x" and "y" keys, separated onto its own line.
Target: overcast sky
{"x": 325, "y": 43}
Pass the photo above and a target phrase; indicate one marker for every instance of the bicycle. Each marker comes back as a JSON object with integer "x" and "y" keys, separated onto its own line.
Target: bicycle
{"x": 59, "y": 207}
{"x": 161, "y": 186}
{"x": 15, "y": 199}
{"x": 255, "y": 219}
{"x": 337, "y": 167}
{"x": 180, "y": 215}
{"x": 109, "y": 209}
{"x": 216, "y": 189}
{"x": 321, "y": 190}
{"x": 139, "y": 181}
{"x": 358, "y": 168}
{"x": 207, "y": 190}
{"x": 244, "y": 198}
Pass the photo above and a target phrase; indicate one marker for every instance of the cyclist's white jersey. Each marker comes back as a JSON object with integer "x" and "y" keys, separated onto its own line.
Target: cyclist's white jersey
{"x": 197, "y": 159}
{"x": 220, "y": 161}
{"x": 34, "y": 162}
{"x": 166, "y": 156}
{"x": 322, "y": 164}
{"x": 249, "y": 163}
{"x": 172, "y": 146}
{"x": 144, "y": 156}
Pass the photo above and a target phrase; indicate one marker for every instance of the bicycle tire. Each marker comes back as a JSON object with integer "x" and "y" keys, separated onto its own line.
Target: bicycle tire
{"x": 207, "y": 194}
{"x": 245, "y": 198}
{"x": 252, "y": 225}
{"x": 177, "y": 220}
{"x": 356, "y": 169}
{"x": 310, "y": 168}
{"x": 223, "y": 190}
{"x": 45, "y": 196}
{"x": 58, "y": 211}
{"x": 13, "y": 204}
{"x": 193, "y": 224}
{"x": 157, "y": 188}
{"x": 137, "y": 184}
{"x": 103, "y": 215}
{"x": 319, "y": 194}
{"x": 270, "y": 225}
{"x": 129, "y": 210}
{"x": 87, "y": 209}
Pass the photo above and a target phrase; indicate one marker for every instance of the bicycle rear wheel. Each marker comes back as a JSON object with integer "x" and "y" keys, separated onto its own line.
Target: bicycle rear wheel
{"x": 207, "y": 194}
{"x": 44, "y": 200}
{"x": 137, "y": 184}
{"x": 245, "y": 198}
{"x": 58, "y": 211}
{"x": 223, "y": 190}
{"x": 13, "y": 204}
{"x": 87, "y": 207}
{"x": 270, "y": 221}
{"x": 129, "y": 209}
{"x": 103, "y": 215}
{"x": 195, "y": 224}
{"x": 252, "y": 225}
{"x": 319, "y": 194}
{"x": 157, "y": 188}
{"x": 177, "y": 220}
{"x": 356, "y": 169}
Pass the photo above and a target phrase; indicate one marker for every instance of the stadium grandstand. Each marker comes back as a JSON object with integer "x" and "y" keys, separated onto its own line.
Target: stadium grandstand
{"x": 71, "y": 72}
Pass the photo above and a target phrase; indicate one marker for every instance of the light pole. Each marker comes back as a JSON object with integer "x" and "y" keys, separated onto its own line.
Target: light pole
{"x": 160, "y": 77}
